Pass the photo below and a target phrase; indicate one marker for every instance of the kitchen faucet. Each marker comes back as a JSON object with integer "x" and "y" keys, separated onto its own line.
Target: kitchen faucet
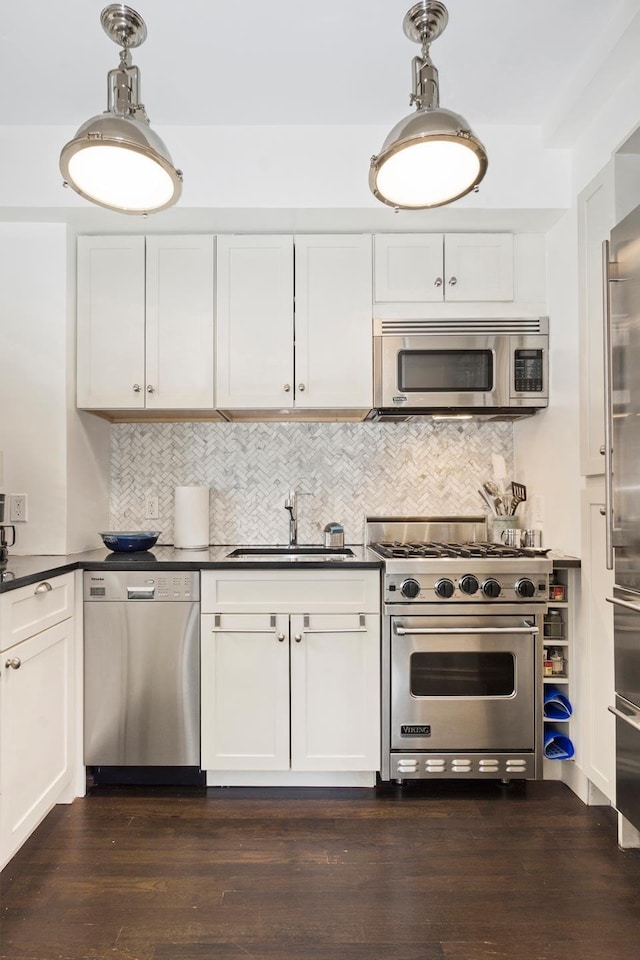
{"x": 291, "y": 504}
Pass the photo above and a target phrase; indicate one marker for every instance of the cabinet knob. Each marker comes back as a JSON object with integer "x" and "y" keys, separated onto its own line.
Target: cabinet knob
{"x": 281, "y": 637}
{"x": 437, "y": 282}
{"x": 136, "y": 388}
{"x": 301, "y": 387}
{"x": 298, "y": 638}
{"x": 453, "y": 281}
{"x": 43, "y": 587}
{"x": 14, "y": 662}
{"x": 150, "y": 389}
{"x": 287, "y": 387}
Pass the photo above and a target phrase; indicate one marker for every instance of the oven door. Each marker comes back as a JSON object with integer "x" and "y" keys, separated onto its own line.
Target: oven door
{"x": 463, "y": 683}
{"x": 431, "y": 371}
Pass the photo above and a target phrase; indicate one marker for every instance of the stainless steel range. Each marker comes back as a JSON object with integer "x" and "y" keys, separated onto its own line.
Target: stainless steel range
{"x": 461, "y": 650}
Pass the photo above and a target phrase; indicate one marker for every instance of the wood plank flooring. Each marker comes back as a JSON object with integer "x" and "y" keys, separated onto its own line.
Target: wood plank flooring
{"x": 442, "y": 871}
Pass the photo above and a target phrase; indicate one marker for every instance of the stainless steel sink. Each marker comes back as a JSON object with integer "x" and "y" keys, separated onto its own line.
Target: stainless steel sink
{"x": 289, "y": 553}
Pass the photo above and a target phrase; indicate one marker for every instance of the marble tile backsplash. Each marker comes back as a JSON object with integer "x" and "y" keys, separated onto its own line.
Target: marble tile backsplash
{"x": 341, "y": 472}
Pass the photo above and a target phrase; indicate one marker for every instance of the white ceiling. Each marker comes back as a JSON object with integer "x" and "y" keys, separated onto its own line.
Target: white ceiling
{"x": 210, "y": 62}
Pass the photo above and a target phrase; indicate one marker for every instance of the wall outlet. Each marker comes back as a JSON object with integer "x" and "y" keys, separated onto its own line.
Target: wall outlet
{"x": 151, "y": 509}
{"x": 537, "y": 509}
{"x": 18, "y": 508}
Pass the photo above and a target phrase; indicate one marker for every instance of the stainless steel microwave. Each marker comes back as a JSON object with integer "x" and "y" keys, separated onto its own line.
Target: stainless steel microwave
{"x": 491, "y": 368}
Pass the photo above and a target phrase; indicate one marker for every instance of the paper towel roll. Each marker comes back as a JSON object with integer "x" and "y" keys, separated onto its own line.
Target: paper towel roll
{"x": 191, "y": 518}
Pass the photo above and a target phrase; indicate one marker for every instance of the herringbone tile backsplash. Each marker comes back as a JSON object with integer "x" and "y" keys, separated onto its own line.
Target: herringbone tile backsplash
{"x": 344, "y": 471}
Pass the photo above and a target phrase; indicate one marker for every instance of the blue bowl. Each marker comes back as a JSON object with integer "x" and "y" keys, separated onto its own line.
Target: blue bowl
{"x": 129, "y": 541}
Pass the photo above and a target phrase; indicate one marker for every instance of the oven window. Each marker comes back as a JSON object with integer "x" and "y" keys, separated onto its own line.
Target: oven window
{"x": 459, "y": 674}
{"x": 445, "y": 371}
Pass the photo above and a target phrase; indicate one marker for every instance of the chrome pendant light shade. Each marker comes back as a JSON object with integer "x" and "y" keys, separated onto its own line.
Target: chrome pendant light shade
{"x": 115, "y": 158}
{"x": 431, "y": 157}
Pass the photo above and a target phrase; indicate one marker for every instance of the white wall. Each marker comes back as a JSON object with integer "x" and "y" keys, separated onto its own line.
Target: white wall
{"x": 57, "y": 458}
{"x": 288, "y": 167}
{"x": 33, "y": 365}
{"x": 546, "y": 447}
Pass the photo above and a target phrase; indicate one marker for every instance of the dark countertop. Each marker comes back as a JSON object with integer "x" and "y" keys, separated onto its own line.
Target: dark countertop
{"x": 563, "y": 562}
{"x": 22, "y": 571}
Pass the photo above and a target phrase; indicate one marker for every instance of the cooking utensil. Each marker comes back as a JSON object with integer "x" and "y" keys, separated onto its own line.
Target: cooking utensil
{"x": 519, "y": 490}
{"x": 494, "y": 492}
{"x": 488, "y": 500}
{"x": 128, "y": 541}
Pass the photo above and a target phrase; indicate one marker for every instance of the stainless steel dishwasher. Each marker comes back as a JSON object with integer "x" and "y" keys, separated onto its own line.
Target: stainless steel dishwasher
{"x": 142, "y": 676}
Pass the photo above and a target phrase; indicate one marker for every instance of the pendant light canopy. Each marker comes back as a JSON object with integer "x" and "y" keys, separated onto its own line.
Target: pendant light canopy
{"x": 115, "y": 158}
{"x": 431, "y": 157}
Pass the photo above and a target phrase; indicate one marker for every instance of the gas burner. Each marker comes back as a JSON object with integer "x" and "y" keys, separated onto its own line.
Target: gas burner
{"x": 413, "y": 550}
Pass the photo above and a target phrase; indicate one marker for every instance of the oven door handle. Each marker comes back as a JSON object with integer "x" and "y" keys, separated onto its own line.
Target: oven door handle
{"x": 403, "y": 632}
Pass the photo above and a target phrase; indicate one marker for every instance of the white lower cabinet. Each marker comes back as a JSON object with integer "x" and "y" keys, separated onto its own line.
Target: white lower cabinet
{"x": 35, "y": 732}
{"x": 285, "y": 691}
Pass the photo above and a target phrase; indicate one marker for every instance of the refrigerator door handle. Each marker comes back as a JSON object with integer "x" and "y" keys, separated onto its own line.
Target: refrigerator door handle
{"x": 623, "y": 716}
{"x": 624, "y": 603}
{"x": 608, "y": 407}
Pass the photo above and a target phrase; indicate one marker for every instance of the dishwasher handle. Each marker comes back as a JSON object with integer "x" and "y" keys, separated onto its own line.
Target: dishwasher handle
{"x": 141, "y": 593}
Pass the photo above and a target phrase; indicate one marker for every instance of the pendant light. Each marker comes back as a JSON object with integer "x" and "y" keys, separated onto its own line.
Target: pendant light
{"x": 115, "y": 158}
{"x": 431, "y": 157}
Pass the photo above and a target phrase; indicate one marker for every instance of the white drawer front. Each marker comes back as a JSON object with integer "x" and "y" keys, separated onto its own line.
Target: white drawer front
{"x": 36, "y": 607}
{"x": 295, "y": 591}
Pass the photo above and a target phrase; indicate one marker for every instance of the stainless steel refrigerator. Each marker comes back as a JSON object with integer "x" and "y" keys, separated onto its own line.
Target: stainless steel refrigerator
{"x": 621, "y": 259}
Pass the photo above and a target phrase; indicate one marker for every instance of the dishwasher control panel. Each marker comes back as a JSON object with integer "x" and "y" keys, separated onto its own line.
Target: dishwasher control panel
{"x": 141, "y": 585}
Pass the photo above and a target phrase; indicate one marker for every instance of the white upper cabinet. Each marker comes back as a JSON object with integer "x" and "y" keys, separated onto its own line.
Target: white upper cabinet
{"x": 436, "y": 267}
{"x": 333, "y": 366}
{"x": 267, "y": 358}
{"x": 254, "y": 346}
{"x": 145, "y": 322}
{"x": 180, "y": 322}
{"x": 111, "y": 292}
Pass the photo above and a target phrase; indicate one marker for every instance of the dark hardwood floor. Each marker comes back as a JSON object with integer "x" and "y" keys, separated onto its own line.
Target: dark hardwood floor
{"x": 443, "y": 871}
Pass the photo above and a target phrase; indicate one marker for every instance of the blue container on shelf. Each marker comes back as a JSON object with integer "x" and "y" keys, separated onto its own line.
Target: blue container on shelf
{"x": 556, "y": 705}
{"x": 557, "y": 746}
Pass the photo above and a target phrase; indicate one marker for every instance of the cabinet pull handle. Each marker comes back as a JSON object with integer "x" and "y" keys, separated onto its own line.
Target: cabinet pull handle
{"x": 437, "y": 282}
{"x": 136, "y": 388}
{"x": 301, "y": 387}
{"x": 453, "y": 281}
{"x": 14, "y": 662}
{"x": 224, "y": 630}
{"x": 281, "y": 637}
{"x": 287, "y": 387}
{"x": 150, "y": 388}
{"x": 43, "y": 587}
{"x": 298, "y": 638}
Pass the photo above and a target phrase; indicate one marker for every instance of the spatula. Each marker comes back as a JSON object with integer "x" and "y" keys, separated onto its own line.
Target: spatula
{"x": 519, "y": 492}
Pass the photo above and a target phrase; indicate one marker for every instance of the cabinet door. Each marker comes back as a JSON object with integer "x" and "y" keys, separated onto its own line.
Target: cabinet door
{"x": 593, "y": 659}
{"x": 254, "y": 341}
{"x": 408, "y": 267}
{"x": 478, "y": 266}
{"x": 333, "y": 357}
{"x": 111, "y": 291}
{"x": 245, "y": 692}
{"x": 179, "y": 322}
{"x": 35, "y": 731}
{"x": 335, "y": 693}
{"x": 596, "y": 214}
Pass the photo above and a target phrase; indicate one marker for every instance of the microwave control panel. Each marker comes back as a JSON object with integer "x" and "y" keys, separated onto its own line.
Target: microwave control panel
{"x": 528, "y": 371}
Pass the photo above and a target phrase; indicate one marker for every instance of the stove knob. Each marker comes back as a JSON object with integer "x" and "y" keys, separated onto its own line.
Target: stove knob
{"x": 410, "y": 589}
{"x": 468, "y": 583}
{"x": 445, "y": 588}
{"x": 491, "y": 588}
{"x": 525, "y": 588}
